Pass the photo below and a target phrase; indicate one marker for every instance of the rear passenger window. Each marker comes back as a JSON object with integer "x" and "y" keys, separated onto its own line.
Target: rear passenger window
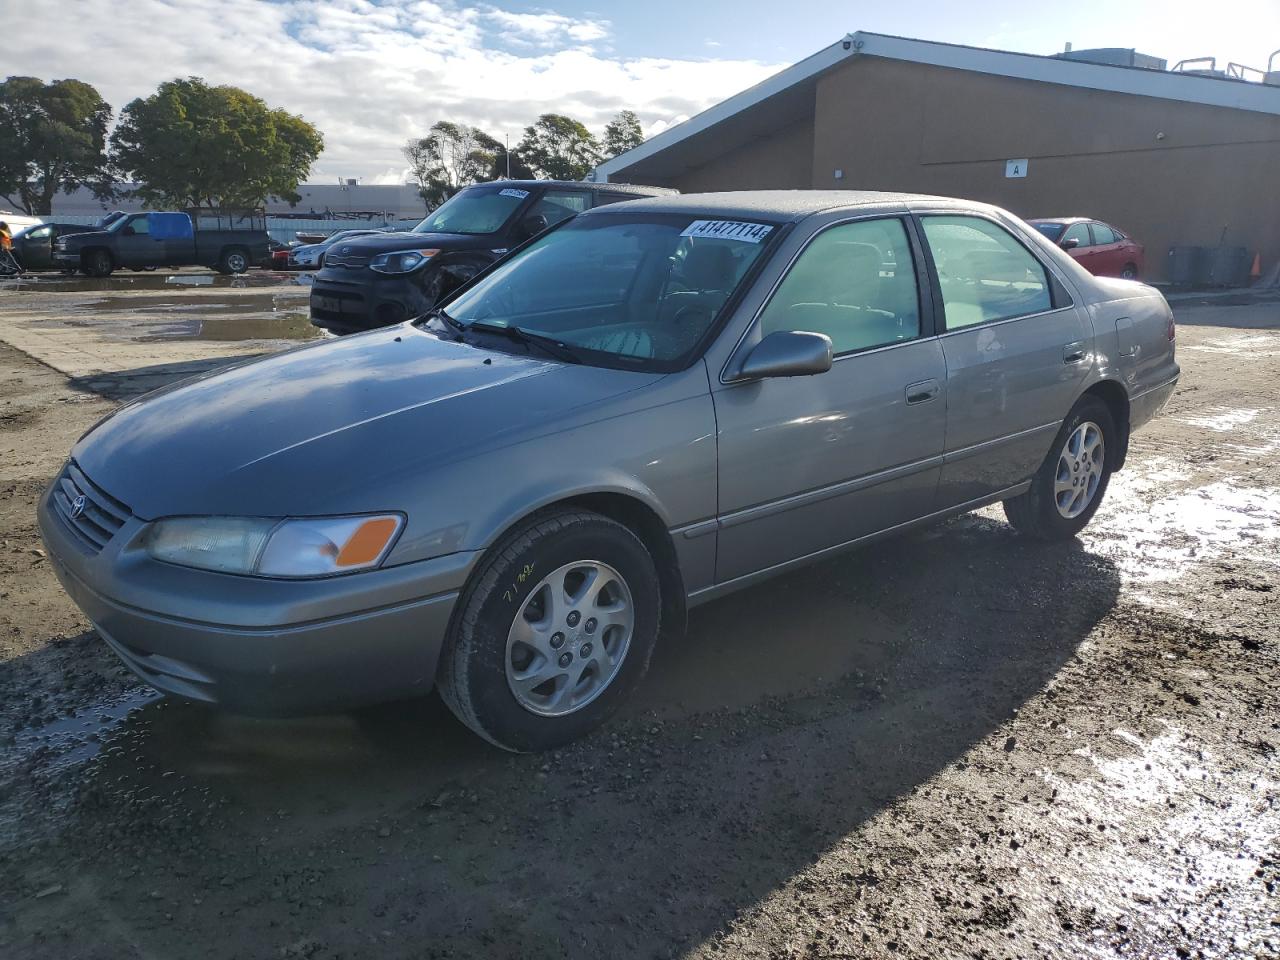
{"x": 1103, "y": 234}
{"x": 985, "y": 274}
{"x": 856, "y": 283}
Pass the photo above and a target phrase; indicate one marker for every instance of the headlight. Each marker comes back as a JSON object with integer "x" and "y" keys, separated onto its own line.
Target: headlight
{"x": 402, "y": 262}
{"x": 251, "y": 546}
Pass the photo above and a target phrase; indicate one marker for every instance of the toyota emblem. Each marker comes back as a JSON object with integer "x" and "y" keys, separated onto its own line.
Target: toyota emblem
{"x": 77, "y": 507}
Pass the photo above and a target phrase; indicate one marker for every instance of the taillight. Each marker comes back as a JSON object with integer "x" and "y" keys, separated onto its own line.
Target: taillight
{"x": 1173, "y": 329}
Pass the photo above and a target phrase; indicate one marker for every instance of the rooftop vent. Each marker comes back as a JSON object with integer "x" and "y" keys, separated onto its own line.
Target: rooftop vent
{"x": 1114, "y": 57}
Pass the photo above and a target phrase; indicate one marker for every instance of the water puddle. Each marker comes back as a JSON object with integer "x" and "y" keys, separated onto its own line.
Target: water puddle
{"x": 151, "y": 280}
{"x": 80, "y": 736}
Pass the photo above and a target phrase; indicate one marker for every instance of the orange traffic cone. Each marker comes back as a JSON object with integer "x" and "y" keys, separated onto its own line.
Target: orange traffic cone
{"x": 1256, "y": 272}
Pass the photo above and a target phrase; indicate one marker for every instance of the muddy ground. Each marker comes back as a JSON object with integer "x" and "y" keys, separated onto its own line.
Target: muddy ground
{"x": 954, "y": 744}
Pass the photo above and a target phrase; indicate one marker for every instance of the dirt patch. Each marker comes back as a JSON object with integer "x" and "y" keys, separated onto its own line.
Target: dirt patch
{"x": 957, "y": 743}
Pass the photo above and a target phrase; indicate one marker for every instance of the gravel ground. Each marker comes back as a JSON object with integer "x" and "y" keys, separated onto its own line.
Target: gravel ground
{"x": 954, "y": 744}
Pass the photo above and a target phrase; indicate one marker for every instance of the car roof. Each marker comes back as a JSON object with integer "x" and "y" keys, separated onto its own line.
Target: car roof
{"x": 782, "y": 205}
{"x": 640, "y": 190}
{"x": 1062, "y": 220}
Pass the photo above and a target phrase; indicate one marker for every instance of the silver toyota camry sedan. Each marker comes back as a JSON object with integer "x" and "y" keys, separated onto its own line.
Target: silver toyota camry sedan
{"x": 514, "y": 498}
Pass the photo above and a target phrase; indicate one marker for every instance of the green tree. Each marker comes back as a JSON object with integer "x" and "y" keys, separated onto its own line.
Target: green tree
{"x": 559, "y": 147}
{"x": 449, "y": 157}
{"x": 196, "y": 145}
{"x": 52, "y": 137}
{"x": 621, "y": 134}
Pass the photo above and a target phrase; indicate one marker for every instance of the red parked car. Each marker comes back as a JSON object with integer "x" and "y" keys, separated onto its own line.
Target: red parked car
{"x": 1099, "y": 247}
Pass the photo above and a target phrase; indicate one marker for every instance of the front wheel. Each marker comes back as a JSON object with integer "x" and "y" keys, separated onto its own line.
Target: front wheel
{"x": 98, "y": 263}
{"x": 555, "y": 631}
{"x": 1068, "y": 488}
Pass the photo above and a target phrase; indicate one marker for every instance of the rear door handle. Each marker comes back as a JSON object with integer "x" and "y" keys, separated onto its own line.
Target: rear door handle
{"x": 1073, "y": 352}
{"x": 922, "y": 392}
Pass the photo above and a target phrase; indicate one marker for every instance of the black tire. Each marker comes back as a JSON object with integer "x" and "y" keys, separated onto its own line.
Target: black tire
{"x": 233, "y": 260}
{"x": 97, "y": 263}
{"x": 1130, "y": 271}
{"x": 472, "y": 675}
{"x": 1036, "y": 513}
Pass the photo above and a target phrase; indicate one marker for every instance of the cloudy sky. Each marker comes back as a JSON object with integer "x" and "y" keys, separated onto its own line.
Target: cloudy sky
{"x": 372, "y": 73}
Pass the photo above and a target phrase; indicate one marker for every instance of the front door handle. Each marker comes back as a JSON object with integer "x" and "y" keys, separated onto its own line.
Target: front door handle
{"x": 922, "y": 392}
{"x": 1073, "y": 352}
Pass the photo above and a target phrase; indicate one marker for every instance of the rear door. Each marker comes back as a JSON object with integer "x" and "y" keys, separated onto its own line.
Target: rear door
{"x": 808, "y": 463}
{"x": 1108, "y": 250}
{"x": 1016, "y": 353}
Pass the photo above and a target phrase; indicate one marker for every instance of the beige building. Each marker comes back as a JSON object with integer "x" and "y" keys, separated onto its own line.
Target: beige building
{"x": 1173, "y": 158}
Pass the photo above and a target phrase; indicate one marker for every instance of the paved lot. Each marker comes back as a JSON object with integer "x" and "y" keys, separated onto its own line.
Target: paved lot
{"x": 953, "y": 744}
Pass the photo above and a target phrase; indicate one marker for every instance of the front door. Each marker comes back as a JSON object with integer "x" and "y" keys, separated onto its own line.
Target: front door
{"x": 35, "y": 248}
{"x": 808, "y": 463}
{"x": 1016, "y": 350}
{"x": 135, "y": 247}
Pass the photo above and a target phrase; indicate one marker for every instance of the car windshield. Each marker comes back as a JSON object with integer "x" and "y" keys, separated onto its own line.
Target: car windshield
{"x": 639, "y": 291}
{"x": 475, "y": 210}
{"x": 1050, "y": 230}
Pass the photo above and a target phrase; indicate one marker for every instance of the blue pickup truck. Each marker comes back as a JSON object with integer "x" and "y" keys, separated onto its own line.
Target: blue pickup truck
{"x": 227, "y": 241}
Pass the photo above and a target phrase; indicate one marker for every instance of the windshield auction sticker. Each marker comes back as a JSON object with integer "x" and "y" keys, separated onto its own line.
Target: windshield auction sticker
{"x": 510, "y": 192}
{"x": 728, "y": 230}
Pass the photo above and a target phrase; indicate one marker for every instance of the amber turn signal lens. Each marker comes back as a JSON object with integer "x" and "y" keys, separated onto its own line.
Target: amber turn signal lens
{"x": 368, "y": 542}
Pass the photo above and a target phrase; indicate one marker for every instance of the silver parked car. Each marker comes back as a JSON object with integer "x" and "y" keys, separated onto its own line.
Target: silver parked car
{"x": 649, "y": 406}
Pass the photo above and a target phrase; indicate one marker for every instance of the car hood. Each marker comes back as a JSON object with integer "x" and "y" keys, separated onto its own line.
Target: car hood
{"x": 325, "y": 429}
{"x": 389, "y": 242}
{"x": 89, "y": 236}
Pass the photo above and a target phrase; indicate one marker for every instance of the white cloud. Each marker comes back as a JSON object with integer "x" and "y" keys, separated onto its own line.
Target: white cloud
{"x": 370, "y": 74}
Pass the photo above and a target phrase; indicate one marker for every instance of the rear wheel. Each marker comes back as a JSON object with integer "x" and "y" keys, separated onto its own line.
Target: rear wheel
{"x": 98, "y": 263}
{"x": 1068, "y": 488}
{"x": 554, "y": 632}
{"x": 1130, "y": 271}
{"x": 234, "y": 260}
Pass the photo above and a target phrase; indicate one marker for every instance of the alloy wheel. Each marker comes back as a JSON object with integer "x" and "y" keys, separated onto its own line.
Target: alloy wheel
{"x": 569, "y": 639}
{"x": 1080, "y": 468}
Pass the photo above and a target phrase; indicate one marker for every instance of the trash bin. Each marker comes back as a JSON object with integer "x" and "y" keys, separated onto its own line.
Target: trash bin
{"x": 1188, "y": 266}
{"x": 1229, "y": 266}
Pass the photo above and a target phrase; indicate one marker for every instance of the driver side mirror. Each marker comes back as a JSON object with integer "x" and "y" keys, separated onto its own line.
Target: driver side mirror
{"x": 1070, "y": 244}
{"x": 788, "y": 353}
{"x": 532, "y": 225}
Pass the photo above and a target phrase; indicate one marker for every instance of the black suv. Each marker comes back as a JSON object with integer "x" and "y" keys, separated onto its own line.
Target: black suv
{"x": 385, "y": 278}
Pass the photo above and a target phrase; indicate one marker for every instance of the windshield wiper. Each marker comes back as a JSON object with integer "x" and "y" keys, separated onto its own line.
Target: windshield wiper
{"x": 439, "y": 314}
{"x": 551, "y": 345}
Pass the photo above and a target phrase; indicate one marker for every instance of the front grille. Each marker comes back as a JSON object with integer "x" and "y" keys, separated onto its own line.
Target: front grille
{"x": 349, "y": 262}
{"x": 101, "y": 516}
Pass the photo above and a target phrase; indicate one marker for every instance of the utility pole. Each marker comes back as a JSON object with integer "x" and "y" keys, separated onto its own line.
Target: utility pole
{"x": 507, "y": 138}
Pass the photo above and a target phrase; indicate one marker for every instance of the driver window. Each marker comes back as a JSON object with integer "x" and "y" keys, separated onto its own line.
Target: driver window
{"x": 557, "y": 205}
{"x": 1078, "y": 232}
{"x": 856, "y": 283}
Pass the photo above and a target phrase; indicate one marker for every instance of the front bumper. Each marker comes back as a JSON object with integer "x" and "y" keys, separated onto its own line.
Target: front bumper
{"x": 345, "y": 300}
{"x": 66, "y": 258}
{"x": 258, "y": 646}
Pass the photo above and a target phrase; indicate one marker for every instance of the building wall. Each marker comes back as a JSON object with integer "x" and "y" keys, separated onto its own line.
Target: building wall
{"x": 895, "y": 125}
{"x": 904, "y": 126}
{"x": 782, "y": 161}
